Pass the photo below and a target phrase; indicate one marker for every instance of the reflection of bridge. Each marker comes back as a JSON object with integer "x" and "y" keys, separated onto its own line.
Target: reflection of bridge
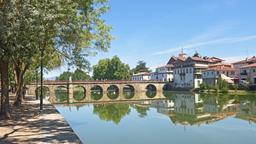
{"x": 139, "y": 88}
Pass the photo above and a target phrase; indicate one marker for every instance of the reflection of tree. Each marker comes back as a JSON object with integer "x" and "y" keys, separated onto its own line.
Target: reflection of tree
{"x": 111, "y": 112}
{"x": 141, "y": 110}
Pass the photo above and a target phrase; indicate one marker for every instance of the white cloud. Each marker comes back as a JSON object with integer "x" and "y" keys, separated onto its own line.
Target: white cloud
{"x": 225, "y": 40}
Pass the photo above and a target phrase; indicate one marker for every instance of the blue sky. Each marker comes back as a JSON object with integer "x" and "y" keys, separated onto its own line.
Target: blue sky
{"x": 155, "y": 30}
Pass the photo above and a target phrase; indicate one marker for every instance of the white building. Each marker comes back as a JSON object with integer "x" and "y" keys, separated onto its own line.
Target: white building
{"x": 224, "y": 71}
{"x": 188, "y": 70}
{"x": 248, "y": 73}
{"x": 163, "y": 73}
{"x": 142, "y": 76}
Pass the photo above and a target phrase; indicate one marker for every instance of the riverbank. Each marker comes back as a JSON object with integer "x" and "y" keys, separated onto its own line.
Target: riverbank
{"x": 233, "y": 92}
{"x": 27, "y": 125}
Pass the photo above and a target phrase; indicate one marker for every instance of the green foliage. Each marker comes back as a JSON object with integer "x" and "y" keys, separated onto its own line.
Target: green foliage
{"x": 141, "y": 110}
{"x": 113, "y": 95}
{"x": 111, "y": 112}
{"x": 64, "y": 76}
{"x": 79, "y": 93}
{"x": 46, "y": 91}
{"x": 151, "y": 94}
{"x": 61, "y": 95}
{"x": 203, "y": 87}
{"x": 128, "y": 95}
{"x": 111, "y": 69}
{"x": 77, "y": 75}
{"x": 222, "y": 85}
{"x": 140, "y": 67}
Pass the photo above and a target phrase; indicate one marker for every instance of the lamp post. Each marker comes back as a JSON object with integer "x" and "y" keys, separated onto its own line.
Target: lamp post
{"x": 41, "y": 72}
{"x": 68, "y": 83}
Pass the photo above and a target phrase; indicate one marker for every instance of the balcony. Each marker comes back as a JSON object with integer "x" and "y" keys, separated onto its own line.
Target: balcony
{"x": 243, "y": 73}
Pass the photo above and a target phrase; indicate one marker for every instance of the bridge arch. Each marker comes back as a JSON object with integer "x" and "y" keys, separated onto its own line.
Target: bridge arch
{"x": 61, "y": 93}
{"x": 113, "y": 92}
{"x": 128, "y": 91}
{"x": 46, "y": 91}
{"x": 167, "y": 88}
{"x": 151, "y": 91}
{"x": 79, "y": 93}
{"x": 96, "y": 92}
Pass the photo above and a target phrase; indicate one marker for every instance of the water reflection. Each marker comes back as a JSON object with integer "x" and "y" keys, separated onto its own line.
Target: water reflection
{"x": 184, "y": 109}
{"x": 180, "y": 118}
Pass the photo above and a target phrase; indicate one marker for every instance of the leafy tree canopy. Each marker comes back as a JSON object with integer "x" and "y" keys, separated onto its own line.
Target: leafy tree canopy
{"x": 141, "y": 67}
{"x": 111, "y": 69}
{"x": 78, "y": 74}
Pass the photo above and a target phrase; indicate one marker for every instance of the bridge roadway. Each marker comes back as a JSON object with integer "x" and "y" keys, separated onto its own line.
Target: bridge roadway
{"x": 139, "y": 87}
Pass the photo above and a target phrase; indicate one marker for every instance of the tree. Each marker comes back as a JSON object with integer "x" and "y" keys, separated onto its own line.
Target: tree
{"x": 77, "y": 75}
{"x": 222, "y": 85}
{"x": 140, "y": 67}
{"x": 80, "y": 75}
{"x": 68, "y": 29}
{"x": 111, "y": 69}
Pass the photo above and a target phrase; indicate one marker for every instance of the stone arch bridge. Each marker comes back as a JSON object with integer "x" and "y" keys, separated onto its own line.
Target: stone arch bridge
{"x": 139, "y": 88}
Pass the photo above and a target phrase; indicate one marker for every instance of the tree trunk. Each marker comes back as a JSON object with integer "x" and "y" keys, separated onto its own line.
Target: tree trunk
{"x": 5, "y": 112}
{"x": 19, "y": 81}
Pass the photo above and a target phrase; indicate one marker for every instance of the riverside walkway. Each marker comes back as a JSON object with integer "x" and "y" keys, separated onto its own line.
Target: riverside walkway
{"x": 27, "y": 125}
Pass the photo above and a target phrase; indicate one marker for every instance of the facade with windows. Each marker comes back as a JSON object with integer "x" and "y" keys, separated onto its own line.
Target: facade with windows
{"x": 224, "y": 71}
{"x": 163, "y": 73}
{"x": 188, "y": 71}
{"x": 142, "y": 76}
{"x": 248, "y": 73}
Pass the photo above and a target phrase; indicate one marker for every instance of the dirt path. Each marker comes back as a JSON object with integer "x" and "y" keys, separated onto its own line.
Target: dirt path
{"x": 27, "y": 125}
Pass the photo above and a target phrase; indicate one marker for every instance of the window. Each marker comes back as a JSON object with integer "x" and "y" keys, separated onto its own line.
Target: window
{"x": 254, "y": 70}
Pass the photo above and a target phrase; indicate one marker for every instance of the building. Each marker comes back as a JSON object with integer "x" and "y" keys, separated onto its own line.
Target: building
{"x": 188, "y": 70}
{"x": 245, "y": 62}
{"x": 142, "y": 76}
{"x": 248, "y": 73}
{"x": 226, "y": 72}
{"x": 163, "y": 73}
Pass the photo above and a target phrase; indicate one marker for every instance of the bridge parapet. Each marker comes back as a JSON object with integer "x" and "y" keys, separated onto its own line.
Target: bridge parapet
{"x": 140, "y": 89}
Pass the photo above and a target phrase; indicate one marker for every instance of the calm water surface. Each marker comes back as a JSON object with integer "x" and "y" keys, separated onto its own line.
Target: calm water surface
{"x": 179, "y": 119}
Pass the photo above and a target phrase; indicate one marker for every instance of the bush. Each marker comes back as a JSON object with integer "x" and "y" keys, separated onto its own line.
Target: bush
{"x": 202, "y": 87}
{"x": 223, "y": 85}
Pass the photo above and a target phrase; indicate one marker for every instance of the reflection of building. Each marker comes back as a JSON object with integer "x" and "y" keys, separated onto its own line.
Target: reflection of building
{"x": 163, "y": 106}
{"x": 188, "y": 110}
{"x": 247, "y": 111}
{"x": 141, "y": 76}
{"x": 211, "y": 105}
